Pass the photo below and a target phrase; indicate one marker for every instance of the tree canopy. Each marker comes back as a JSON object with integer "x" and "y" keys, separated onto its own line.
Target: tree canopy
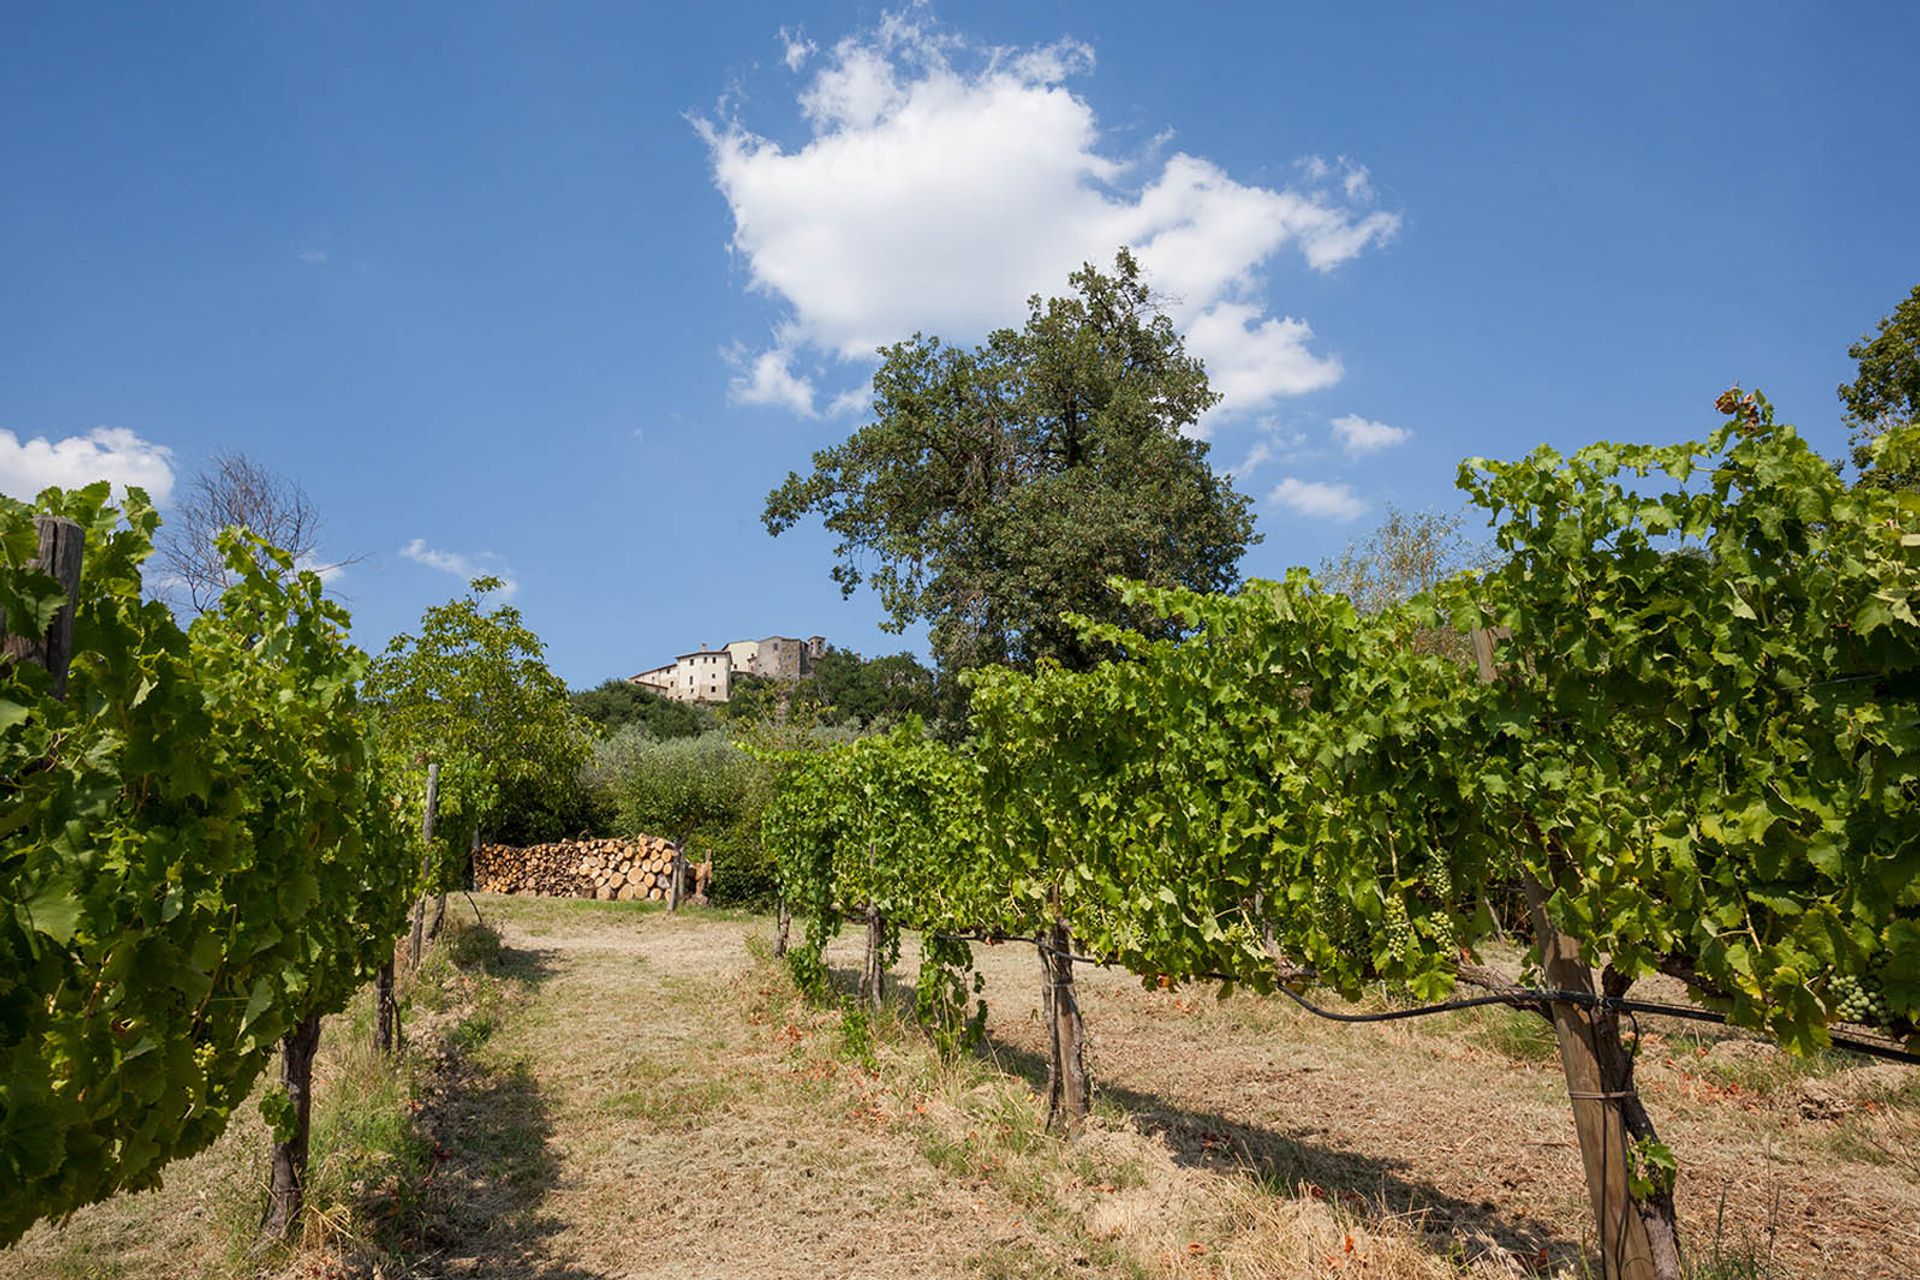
{"x": 847, "y": 689}
{"x": 1002, "y": 486}
{"x": 472, "y": 692}
{"x": 232, "y": 492}
{"x": 705, "y": 793}
{"x": 613, "y": 704}
{"x": 1886, "y": 392}
{"x": 1411, "y": 553}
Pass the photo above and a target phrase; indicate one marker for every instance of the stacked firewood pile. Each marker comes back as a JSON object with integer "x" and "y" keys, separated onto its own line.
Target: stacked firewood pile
{"x": 637, "y": 870}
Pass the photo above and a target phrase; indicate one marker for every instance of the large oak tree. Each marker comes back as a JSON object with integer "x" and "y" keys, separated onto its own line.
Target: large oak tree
{"x": 1886, "y": 394}
{"x": 1002, "y": 486}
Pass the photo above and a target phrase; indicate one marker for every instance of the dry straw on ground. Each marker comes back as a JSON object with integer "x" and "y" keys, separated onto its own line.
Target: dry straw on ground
{"x": 654, "y": 1101}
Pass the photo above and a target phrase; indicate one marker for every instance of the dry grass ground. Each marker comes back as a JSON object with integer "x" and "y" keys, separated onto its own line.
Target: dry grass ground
{"x": 1458, "y": 1127}
{"x": 370, "y": 1183}
{"x": 181, "y": 1231}
{"x": 652, "y": 1100}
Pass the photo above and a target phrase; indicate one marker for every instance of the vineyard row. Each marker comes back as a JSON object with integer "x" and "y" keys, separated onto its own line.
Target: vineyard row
{"x": 1674, "y": 730}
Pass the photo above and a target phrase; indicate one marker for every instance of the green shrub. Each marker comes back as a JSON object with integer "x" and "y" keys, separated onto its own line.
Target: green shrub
{"x": 704, "y": 792}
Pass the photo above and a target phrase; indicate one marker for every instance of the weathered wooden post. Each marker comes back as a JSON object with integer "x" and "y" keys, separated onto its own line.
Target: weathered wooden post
{"x": 1068, "y": 1090}
{"x": 62, "y": 548}
{"x": 440, "y": 902}
{"x": 417, "y": 941}
{"x": 1639, "y": 1238}
{"x": 676, "y": 870}
{"x": 783, "y": 926}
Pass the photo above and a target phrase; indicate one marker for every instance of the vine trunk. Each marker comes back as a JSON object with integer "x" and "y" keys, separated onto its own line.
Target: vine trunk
{"x": 386, "y": 1011}
{"x": 287, "y": 1189}
{"x": 873, "y": 974}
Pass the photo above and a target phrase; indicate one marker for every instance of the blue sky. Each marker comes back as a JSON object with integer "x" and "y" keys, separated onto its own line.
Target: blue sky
{"x": 561, "y": 291}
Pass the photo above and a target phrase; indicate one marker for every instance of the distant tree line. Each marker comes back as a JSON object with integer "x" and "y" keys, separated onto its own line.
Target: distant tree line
{"x": 680, "y": 770}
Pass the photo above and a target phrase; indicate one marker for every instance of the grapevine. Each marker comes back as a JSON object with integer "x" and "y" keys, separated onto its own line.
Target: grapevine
{"x": 197, "y": 855}
{"x": 1696, "y": 750}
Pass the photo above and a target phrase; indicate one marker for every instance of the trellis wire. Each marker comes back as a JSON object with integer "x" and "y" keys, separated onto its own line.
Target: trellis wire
{"x": 1514, "y": 997}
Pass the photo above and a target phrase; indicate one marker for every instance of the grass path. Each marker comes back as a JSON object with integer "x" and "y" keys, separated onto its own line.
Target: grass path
{"x": 697, "y": 1132}
{"x": 622, "y": 1094}
{"x": 652, "y": 1127}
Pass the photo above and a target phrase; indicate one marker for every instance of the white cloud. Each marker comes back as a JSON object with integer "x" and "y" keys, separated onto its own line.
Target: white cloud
{"x": 329, "y": 573}
{"x": 104, "y": 453}
{"x": 795, "y": 48}
{"x": 313, "y": 257}
{"x": 1252, "y": 361}
{"x": 1357, "y": 182}
{"x": 462, "y": 566}
{"x": 1317, "y": 500}
{"x": 1274, "y": 444}
{"x": 1259, "y": 455}
{"x": 1360, "y": 436}
{"x": 851, "y": 403}
{"x": 942, "y": 184}
{"x": 768, "y": 380}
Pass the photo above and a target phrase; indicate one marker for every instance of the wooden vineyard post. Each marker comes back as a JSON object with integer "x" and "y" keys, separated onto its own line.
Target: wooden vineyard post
{"x": 1639, "y": 1239}
{"x": 1046, "y": 1020}
{"x": 62, "y": 548}
{"x": 782, "y": 928}
{"x": 287, "y": 1191}
{"x": 417, "y": 941}
{"x": 440, "y": 901}
{"x": 674, "y": 872}
{"x": 1484, "y": 640}
{"x": 1068, "y": 1091}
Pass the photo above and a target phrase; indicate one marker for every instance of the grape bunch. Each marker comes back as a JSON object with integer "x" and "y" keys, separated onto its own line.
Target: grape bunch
{"x": 1857, "y": 1000}
{"x": 1439, "y": 883}
{"x": 1335, "y": 917}
{"x": 1440, "y": 929}
{"x": 1399, "y": 930}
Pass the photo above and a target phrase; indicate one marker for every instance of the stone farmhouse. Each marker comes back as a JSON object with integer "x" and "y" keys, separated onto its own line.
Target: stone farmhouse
{"x": 707, "y": 674}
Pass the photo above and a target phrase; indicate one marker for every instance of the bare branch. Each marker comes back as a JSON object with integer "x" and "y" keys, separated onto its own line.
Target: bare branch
{"x": 233, "y": 491}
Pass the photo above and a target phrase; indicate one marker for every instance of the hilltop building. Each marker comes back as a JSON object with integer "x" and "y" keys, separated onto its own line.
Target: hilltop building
{"x": 706, "y": 675}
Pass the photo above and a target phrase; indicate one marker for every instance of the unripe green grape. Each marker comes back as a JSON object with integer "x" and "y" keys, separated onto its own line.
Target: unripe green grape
{"x": 1857, "y": 999}
{"x": 1399, "y": 930}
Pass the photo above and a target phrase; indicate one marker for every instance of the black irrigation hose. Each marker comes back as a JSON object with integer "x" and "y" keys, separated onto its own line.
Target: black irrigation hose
{"x": 1519, "y": 997}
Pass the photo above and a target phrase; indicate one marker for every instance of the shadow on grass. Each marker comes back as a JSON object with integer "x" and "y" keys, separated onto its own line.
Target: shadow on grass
{"x": 494, "y": 1168}
{"x": 898, "y": 992}
{"x": 480, "y": 1210}
{"x": 528, "y": 965}
{"x": 1360, "y": 1183}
